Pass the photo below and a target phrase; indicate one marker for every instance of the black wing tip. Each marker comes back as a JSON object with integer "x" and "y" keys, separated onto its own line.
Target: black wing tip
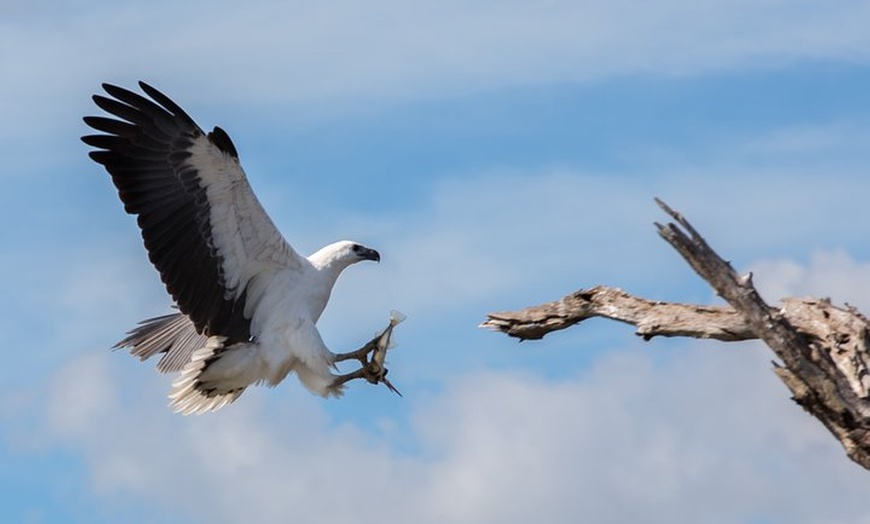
{"x": 151, "y": 91}
{"x": 145, "y": 86}
{"x": 90, "y": 139}
{"x": 97, "y": 122}
{"x": 113, "y": 90}
{"x": 85, "y": 138}
{"x": 222, "y": 141}
{"x": 155, "y": 98}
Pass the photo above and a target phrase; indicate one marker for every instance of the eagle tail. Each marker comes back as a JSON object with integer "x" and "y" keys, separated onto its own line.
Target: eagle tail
{"x": 193, "y": 392}
{"x": 173, "y": 334}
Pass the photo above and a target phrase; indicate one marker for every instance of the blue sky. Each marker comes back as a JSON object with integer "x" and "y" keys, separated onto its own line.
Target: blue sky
{"x": 498, "y": 155}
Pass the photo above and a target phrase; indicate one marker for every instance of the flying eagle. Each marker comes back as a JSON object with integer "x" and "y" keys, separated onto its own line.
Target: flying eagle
{"x": 248, "y": 303}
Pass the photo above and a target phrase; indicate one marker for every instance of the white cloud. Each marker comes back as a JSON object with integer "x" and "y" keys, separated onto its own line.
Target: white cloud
{"x": 826, "y": 139}
{"x": 267, "y": 52}
{"x": 706, "y": 432}
{"x": 832, "y": 274}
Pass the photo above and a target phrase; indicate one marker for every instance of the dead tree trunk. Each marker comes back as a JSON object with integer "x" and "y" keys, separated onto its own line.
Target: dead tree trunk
{"x": 822, "y": 349}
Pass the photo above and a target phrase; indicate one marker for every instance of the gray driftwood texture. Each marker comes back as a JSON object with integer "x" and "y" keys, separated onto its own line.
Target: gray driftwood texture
{"x": 821, "y": 349}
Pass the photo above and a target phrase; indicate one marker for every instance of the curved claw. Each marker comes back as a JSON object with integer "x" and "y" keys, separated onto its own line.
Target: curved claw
{"x": 371, "y": 372}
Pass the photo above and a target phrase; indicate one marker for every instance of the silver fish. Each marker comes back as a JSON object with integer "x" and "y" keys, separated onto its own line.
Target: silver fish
{"x": 372, "y": 357}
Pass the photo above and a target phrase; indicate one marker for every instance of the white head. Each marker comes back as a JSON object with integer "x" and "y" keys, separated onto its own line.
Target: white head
{"x": 339, "y": 255}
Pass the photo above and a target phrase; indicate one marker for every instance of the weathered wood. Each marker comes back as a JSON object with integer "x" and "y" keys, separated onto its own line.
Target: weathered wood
{"x": 823, "y": 349}
{"x": 652, "y": 318}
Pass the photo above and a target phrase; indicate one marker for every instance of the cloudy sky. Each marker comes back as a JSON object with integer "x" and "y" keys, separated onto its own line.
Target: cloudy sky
{"x": 498, "y": 155}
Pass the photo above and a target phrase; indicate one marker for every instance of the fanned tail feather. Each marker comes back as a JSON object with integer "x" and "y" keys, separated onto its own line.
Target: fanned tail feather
{"x": 188, "y": 395}
{"x": 173, "y": 334}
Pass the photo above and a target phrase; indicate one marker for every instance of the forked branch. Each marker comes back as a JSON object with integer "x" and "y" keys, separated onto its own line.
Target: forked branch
{"x": 823, "y": 348}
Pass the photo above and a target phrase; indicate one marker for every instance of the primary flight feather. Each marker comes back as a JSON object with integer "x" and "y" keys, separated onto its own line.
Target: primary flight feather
{"x": 248, "y": 303}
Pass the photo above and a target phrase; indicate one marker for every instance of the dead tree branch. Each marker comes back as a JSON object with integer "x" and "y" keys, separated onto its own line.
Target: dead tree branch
{"x": 652, "y": 318}
{"x": 823, "y": 348}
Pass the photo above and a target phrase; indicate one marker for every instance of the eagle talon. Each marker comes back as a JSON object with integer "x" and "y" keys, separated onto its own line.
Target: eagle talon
{"x": 368, "y": 372}
{"x": 371, "y": 357}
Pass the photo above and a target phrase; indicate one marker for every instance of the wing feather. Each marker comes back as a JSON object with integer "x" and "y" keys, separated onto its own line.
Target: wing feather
{"x": 203, "y": 227}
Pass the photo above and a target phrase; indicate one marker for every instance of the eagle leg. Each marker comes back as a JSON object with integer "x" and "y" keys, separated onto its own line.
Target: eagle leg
{"x": 361, "y": 354}
{"x": 371, "y": 369}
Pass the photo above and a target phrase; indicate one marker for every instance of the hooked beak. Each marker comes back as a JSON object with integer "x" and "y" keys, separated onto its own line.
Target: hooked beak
{"x": 371, "y": 254}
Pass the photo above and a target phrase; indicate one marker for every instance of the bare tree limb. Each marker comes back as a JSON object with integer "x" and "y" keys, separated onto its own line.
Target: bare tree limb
{"x": 823, "y": 348}
{"x": 652, "y": 318}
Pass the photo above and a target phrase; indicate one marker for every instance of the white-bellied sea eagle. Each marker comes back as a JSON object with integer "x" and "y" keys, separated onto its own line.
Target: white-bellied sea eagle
{"x": 248, "y": 303}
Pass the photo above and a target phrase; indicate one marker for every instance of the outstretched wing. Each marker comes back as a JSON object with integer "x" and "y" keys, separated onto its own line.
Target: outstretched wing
{"x": 203, "y": 227}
